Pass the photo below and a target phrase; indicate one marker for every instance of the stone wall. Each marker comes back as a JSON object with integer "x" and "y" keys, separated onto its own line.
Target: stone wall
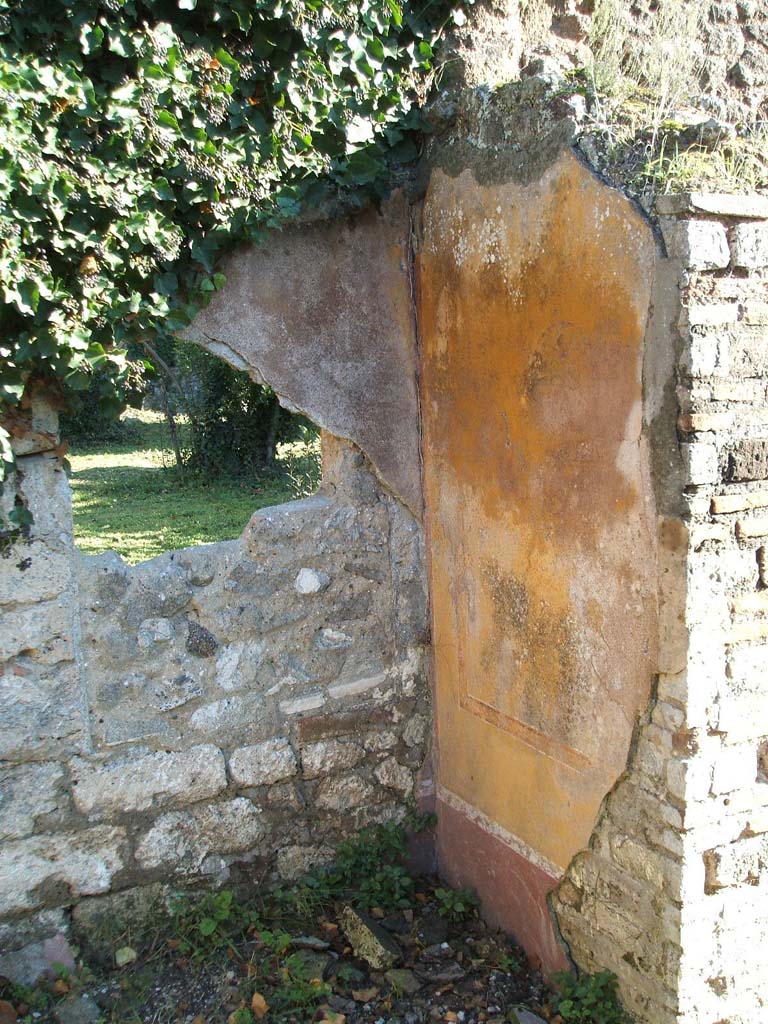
{"x": 229, "y": 711}
{"x": 673, "y": 892}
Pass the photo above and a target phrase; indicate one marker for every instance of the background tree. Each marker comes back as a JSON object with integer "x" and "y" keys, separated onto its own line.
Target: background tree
{"x": 141, "y": 139}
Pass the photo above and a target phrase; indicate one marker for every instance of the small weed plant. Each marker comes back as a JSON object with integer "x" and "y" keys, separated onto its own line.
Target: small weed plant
{"x": 368, "y": 871}
{"x": 210, "y": 923}
{"x": 456, "y": 904}
{"x": 590, "y": 999}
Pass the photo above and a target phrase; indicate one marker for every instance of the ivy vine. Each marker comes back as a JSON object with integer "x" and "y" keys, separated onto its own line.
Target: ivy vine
{"x": 141, "y": 139}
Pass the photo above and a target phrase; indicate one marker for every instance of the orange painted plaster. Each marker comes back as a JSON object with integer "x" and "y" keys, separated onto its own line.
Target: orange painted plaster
{"x": 532, "y": 310}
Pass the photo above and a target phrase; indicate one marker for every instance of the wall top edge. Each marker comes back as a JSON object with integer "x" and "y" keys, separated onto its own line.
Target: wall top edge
{"x": 720, "y": 204}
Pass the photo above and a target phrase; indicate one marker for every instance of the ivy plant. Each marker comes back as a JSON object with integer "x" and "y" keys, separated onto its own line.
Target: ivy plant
{"x": 141, "y": 139}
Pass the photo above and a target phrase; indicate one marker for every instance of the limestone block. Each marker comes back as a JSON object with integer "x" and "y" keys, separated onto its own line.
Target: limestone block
{"x": 26, "y": 792}
{"x": 701, "y": 463}
{"x": 342, "y": 792}
{"x": 41, "y": 713}
{"x": 711, "y": 314}
{"x": 310, "y": 581}
{"x": 237, "y": 664}
{"x": 354, "y": 687}
{"x": 58, "y": 869}
{"x": 333, "y": 640}
{"x": 228, "y": 718}
{"x": 32, "y": 626}
{"x": 182, "y": 840}
{"x": 706, "y": 353}
{"x": 329, "y": 756}
{"x": 749, "y": 245}
{"x": 32, "y": 573}
{"x": 723, "y": 204}
{"x": 395, "y": 776}
{"x": 263, "y": 763}
{"x": 155, "y": 780}
{"x": 700, "y": 244}
{"x": 297, "y": 705}
{"x": 154, "y": 631}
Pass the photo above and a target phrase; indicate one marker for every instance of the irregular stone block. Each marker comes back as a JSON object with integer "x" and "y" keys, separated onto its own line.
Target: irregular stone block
{"x": 41, "y": 713}
{"x": 155, "y": 631}
{"x": 295, "y": 861}
{"x": 749, "y": 245}
{"x": 329, "y": 756}
{"x": 201, "y": 641}
{"x": 395, "y": 776}
{"x": 26, "y": 792}
{"x": 700, "y": 462}
{"x": 182, "y": 840}
{"x": 58, "y": 869}
{"x": 78, "y": 1008}
{"x": 34, "y": 572}
{"x": 263, "y": 763}
{"x": 748, "y": 460}
{"x": 721, "y": 204}
{"x": 155, "y": 780}
{"x": 342, "y": 792}
{"x": 27, "y": 965}
{"x": 700, "y": 244}
{"x": 369, "y": 940}
{"x": 310, "y": 581}
{"x": 30, "y": 627}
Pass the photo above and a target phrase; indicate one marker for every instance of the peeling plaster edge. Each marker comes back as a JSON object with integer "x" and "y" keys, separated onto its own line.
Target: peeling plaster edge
{"x": 512, "y": 841}
{"x": 230, "y": 356}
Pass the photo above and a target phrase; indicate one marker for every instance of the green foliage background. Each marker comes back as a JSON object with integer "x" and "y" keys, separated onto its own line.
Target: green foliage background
{"x": 140, "y": 140}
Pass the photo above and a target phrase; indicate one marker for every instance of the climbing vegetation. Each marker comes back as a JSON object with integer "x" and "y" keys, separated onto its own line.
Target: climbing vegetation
{"x": 141, "y": 139}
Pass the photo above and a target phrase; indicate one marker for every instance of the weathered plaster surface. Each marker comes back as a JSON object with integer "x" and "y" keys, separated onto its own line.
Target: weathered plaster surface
{"x": 323, "y": 313}
{"x": 533, "y": 308}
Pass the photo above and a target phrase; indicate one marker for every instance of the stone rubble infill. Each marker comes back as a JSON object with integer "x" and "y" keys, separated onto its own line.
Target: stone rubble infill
{"x": 429, "y": 970}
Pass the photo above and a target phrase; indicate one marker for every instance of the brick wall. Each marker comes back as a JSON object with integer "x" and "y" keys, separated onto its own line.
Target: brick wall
{"x": 673, "y": 892}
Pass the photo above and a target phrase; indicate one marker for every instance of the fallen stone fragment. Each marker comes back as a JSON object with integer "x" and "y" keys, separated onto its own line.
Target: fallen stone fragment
{"x": 365, "y": 995}
{"x": 309, "y": 942}
{"x": 448, "y": 972}
{"x": 78, "y": 1009}
{"x": 308, "y": 965}
{"x": 523, "y": 1016}
{"x": 125, "y": 955}
{"x": 369, "y": 940}
{"x": 403, "y": 980}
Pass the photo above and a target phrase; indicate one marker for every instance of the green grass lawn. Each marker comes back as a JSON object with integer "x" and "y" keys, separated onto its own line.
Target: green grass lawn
{"x": 129, "y": 497}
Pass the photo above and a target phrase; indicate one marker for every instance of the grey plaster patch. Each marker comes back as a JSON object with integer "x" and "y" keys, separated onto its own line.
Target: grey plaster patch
{"x": 322, "y": 313}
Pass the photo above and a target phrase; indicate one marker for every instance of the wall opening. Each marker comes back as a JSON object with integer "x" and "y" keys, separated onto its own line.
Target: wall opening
{"x": 198, "y": 450}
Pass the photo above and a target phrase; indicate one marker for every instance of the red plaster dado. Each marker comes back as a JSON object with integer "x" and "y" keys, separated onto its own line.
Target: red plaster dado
{"x": 512, "y": 890}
